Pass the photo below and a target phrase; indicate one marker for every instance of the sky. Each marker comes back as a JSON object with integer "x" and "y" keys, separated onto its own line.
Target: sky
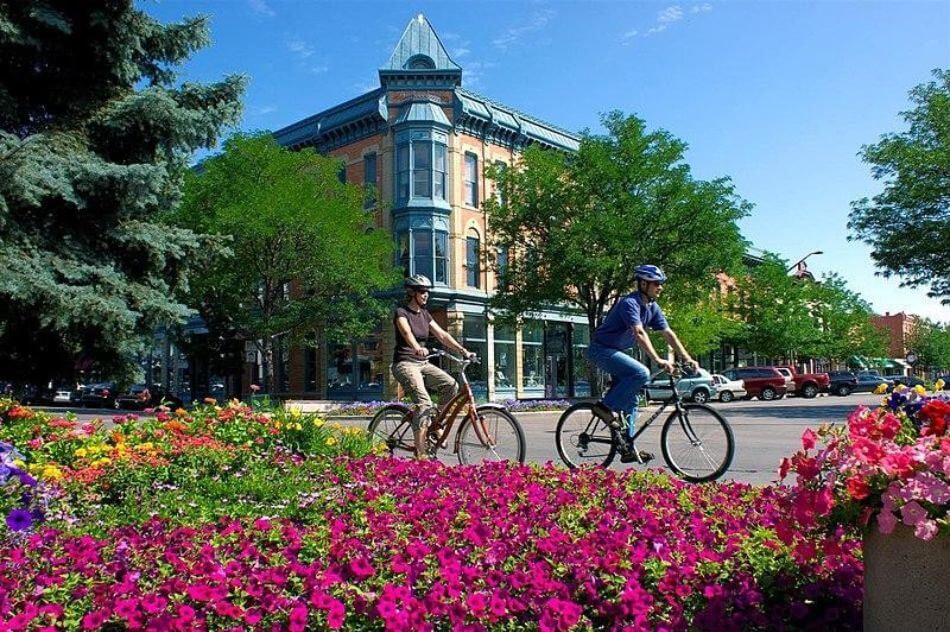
{"x": 778, "y": 96}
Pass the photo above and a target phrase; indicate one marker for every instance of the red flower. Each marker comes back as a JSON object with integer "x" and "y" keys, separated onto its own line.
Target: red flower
{"x": 858, "y": 488}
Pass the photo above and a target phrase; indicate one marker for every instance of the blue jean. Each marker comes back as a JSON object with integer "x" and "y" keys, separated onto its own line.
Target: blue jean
{"x": 628, "y": 376}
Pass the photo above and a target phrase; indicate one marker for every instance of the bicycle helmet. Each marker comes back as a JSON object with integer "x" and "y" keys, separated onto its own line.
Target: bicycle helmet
{"x": 650, "y": 273}
{"x": 418, "y": 281}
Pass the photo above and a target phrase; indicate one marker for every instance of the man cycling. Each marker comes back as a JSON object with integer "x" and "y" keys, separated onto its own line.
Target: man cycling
{"x": 411, "y": 368}
{"x": 625, "y": 325}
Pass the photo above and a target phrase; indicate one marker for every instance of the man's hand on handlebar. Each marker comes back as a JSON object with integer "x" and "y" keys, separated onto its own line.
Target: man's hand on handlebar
{"x": 422, "y": 352}
{"x": 692, "y": 365}
{"x": 666, "y": 365}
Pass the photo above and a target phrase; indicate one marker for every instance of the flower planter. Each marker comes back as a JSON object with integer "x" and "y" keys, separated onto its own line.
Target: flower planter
{"x": 905, "y": 581}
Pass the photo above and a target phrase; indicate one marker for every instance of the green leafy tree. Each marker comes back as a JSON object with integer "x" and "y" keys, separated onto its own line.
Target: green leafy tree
{"x": 908, "y": 224}
{"x": 306, "y": 256}
{"x": 774, "y": 311}
{"x": 577, "y": 225}
{"x": 843, "y": 320}
{"x": 930, "y": 340}
{"x": 94, "y": 135}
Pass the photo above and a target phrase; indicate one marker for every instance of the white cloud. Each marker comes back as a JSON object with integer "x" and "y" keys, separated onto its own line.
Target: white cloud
{"x": 702, "y": 8}
{"x": 300, "y": 48}
{"x": 515, "y": 33}
{"x": 458, "y": 53}
{"x": 475, "y": 72}
{"x": 657, "y": 29}
{"x": 261, "y": 6}
{"x": 629, "y": 35}
{"x": 319, "y": 69}
{"x": 260, "y": 110}
{"x": 670, "y": 14}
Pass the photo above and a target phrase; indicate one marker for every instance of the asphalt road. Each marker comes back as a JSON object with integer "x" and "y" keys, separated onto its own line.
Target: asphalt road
{"x": 764, "y": 431}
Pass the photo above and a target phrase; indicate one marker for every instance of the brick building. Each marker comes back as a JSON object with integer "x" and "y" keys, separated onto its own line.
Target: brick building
{"x": 898, "y": 327}
{"x": 422, "y": 141}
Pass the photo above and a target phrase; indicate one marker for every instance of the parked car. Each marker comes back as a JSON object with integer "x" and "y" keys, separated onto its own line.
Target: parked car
{"x": 842, "y": 382}
{"x": 808, "y": 385}
{"x": 697, "y": 387}
{"x": 869, "y": 382}
{"x": 764, "y": 382}
{"x": 66, "y": 396}
{"x": 101, "y": 395}
{"x": 726, "y": 389}
{"x": 906, "y": 380}
{"x": 789, "y": 376}
{"x": 141, "y": 396}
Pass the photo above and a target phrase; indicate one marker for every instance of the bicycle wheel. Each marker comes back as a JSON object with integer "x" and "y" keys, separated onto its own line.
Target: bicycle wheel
{"x": 498, "y": 437}
{"x": 582, "y": 438}
{"x": 698, "y": 444}
{"x": 390, "y": 426}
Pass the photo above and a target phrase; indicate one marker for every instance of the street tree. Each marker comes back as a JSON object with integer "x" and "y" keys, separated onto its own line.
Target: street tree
{"x": 306, "y": 256}
{"x": 773, "y": 309}
{"x": 576, "y": 225}
{"x": 908, "y": 223}
{"x": 94, "y": 133}
{"x": 843, "y": 320}
{"x": 930, "y": 340}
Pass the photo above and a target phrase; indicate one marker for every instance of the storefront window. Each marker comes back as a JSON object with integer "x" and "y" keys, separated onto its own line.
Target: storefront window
{"x": 532, "y": 358}
{"x": 369, "y": 356}
{"x": 339, "y": 371}
{"x": 475, "y": 339}
{"x": 504, "y": 362}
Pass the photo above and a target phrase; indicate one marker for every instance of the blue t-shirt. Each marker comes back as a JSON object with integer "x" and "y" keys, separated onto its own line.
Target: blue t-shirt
{"x": 633, "y": 309}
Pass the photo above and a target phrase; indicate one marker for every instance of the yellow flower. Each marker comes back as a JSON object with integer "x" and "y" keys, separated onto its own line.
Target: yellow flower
{"x": 331, "y": 441}
{"x": 295, "y": 411}
{"x": 882, "y": 388}
{"x": 920, "y": 390}
{"x": 20, "y": 463}
{"x": 277, "y": 425}
{"x": 52, "y": 473}
{"x": 939, "y": 384}
{"x": 102, "y": 461}
{"x": 318, "y": 423}
{"x": 298, "y": 427}
{"x": 80, "y": 452}
{"x": 181, "y": 412}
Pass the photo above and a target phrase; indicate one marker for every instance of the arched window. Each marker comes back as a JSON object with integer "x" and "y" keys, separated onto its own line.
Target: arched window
{"x": 420, "y": 62}
{"x": 473, "y": 271}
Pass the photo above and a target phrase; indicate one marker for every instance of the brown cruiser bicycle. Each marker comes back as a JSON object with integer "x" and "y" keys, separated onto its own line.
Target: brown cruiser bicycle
{"x": 485, "y": 433}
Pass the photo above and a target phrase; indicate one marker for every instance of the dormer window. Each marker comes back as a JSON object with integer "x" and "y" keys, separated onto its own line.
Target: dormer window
{"x": 420, "y": 166}
{"x": 420, "y": 62}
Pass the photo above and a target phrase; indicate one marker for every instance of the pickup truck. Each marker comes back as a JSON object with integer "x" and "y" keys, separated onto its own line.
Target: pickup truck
{"x": 808, "y": 385}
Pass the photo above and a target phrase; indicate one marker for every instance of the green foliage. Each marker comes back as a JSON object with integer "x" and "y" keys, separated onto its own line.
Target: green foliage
{"x": 577, "y": 225}
{"x": 95, "y": 134}
{"x": 908, "y": 224}
{"x": 843, "y": 319}
{"x": 931, "y": 342}
{"x": 305, "y": 254}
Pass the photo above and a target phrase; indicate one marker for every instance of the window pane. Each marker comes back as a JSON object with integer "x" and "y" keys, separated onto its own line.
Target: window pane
{"x": 471, "y": 180}
{"x": 339, "y": 371}
{"x": 402, "y": 172}
{"x": 370, "y": 369}
{"x": 504, "y": 368}
{"x": 439, "y": 157}
{"x": 369, "y": 179}
{"x": 441, "y": 256}
{"x": 533, "y": 331}
{"x": 471, "y": 261}
{"x": 421, "y": 155}
{"x": 422, "y": 255}
{"x": 421, "y": 183}
{"x": 474, "y": 339}
{"x": 438, "y": 185}
{"x": 402, "y": 245}
{"x": 402, "y": 158}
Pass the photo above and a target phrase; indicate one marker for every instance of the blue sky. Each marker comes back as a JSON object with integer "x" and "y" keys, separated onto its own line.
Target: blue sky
{"x": 779, "y": 96}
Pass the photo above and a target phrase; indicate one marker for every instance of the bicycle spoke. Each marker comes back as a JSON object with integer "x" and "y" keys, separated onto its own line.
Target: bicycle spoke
{"x": 583, "y": 438}
{"x": 697, "y": 443}
{"x": 494, "y": 436}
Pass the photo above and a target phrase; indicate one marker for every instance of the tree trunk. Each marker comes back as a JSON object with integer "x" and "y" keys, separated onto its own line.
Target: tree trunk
{"x": 269, "y": 372}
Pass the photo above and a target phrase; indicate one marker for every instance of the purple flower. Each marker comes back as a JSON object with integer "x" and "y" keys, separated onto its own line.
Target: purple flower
{"x": 19, "y": 520}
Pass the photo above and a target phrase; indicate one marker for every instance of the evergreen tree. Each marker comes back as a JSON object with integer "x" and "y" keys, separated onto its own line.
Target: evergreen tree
{"x": 95, "y": 132}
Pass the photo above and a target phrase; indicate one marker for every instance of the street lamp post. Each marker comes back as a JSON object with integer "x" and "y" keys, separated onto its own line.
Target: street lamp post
{"x": 802, "y": 260}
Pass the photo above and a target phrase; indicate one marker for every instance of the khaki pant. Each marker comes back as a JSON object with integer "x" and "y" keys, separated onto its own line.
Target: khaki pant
{"x": 417, "y": 379}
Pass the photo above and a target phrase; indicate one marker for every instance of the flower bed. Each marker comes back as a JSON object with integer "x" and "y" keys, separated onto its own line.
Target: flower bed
{"x": 228, "y": 517}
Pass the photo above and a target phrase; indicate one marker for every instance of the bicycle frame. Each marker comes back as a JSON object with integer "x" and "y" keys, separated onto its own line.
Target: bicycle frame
{"x": 445, "y": 420}
{"x": 677, "y": 402}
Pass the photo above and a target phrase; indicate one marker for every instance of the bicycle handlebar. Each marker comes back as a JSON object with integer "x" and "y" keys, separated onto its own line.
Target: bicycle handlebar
{"x": 474, "y": 359}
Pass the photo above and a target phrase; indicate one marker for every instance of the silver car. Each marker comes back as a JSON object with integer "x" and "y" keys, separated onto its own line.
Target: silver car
{"x": 728, "y": 390}
{"x": 697, "y": 387}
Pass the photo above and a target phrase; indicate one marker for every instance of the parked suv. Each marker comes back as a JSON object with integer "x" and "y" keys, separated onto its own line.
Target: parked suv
{"x": 100, "y": 395}
{"x": 764, "y": 382}
{"x": 697, "y": 387}
{"x": 842, "y": 382}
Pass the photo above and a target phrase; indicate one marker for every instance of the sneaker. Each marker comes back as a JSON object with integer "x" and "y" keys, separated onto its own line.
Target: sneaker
{"x": 631, "y": 455}
{"x": 606, "y": 415}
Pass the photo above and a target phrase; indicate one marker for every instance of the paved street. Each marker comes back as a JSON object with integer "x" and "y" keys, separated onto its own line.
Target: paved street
{"x": 764, "y": 431}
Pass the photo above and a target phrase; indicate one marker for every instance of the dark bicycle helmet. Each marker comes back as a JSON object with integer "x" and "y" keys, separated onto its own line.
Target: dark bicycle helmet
{"x": 417, "y": 281}
{"x": 650, "y": 273}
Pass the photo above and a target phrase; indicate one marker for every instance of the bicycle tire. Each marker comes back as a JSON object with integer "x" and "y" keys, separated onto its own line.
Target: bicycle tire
{"x": 391, "y": 427}
{"x": 577, "y": 430}
{"x": 509, "y": 442}
{"x": 703, "y": 460}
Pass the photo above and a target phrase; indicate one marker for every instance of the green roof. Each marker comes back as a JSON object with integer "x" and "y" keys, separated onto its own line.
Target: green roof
{"x": 420, "y": 49}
